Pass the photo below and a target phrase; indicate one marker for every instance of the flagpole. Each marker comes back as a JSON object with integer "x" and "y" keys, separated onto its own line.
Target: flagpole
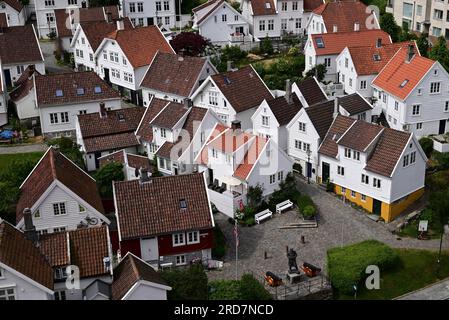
{"x": 236, "y": 250}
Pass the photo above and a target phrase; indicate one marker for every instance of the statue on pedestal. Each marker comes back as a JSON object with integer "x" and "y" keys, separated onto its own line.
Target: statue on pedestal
{"x": 292, "y": 266}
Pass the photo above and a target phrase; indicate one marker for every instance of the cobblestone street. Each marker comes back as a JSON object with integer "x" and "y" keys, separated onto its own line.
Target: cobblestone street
{"x": 339, "y": 224}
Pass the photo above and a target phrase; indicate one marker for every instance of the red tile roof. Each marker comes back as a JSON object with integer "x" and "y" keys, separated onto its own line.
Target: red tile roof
{"x": 137, "y": 162}
{"x": 69, "y": 83}
{"x": 96, "y": 31}
{"x": 109, "y": 142}
{"x": 251, "y": 158}
{"x": 140, "y": 45}
{"x": 129, "y": 271}
{"x": 364, "y": 59}
{"x": 400, "y": 77}
{"x": 24, "y": 84}
{"x": 230, "y": 140}
{"x": 85, "y": 248}
{"x": 203, "y": 157}
{"x": 15, "y": 4}
{"x": 55, "y": 166}
{"x": 334, "y": 43}
{"x": 263, "y": 7}
{"x": 344, "y": 14}
{"x": 62, "y": 19}
{"x": 132, "y": 160}
{"x": 244, "y": 89}
{"x": 310, "y": 5}
{"x": 117, "y": 156}
{"x": 170, "y": 73}
{"x": 360, "y": 135}
{"x": 21, "y": 254}
{"x": 145, "y": 130}
{"x": 153, "y": 208}
{"x": 19, "y": 44}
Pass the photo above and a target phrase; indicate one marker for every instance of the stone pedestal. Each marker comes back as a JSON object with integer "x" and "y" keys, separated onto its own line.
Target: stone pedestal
{"x": 294, "y": 277}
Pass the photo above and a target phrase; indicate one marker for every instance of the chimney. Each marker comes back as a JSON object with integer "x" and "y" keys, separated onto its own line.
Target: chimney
{"x": 379, "y": 43}
{"x": 335, "y": 28}
{"x": 109, "y": 17}
{"x": 30, "y": 229}
{"x": 188, "y": 103}
{"x": 236, "y": 125}
{"x": 120, "y": 25}
{"x": 336, "y": 108}
{"x": 410, "y": 53}
{"x": 229, "y": 65}
{"x": 103, "y": 112}
{"x": 356, "y": 26}
{"x": 288, "y": 91}
{"x": 143, "y": 177}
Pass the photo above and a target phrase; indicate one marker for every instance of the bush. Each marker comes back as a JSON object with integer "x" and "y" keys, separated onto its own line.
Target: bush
{"x": 219, "y": 249}
{"x": 438, "y": 180}
{"x": 309, "y": 212}
{"x": 427, "y": 145}
{"x": 266, "y": 46}
{"x": 347, "y": 265}
{"x": 250, "y": 221}
{"x": 304, "y": 201}
{"x": 247, "y": 288}
{"x": 330, "y": 186}
{"x": 443, "y": 159}
{"x": 187, "y": 284}
{"x": 106, "y": 175}
{"x": 66, "y": 57}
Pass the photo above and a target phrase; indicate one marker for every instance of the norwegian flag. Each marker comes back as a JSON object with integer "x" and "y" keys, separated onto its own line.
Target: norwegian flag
{"x": 236, "y": 234}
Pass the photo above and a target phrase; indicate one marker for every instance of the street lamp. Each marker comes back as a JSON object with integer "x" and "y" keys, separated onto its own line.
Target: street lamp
{"x": 308, "y": 152}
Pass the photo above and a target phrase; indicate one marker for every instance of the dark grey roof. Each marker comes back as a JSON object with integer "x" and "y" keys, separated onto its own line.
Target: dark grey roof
{"x": 321, "y": 115}
{"x": 311, "y": 91}
{"x": 97, "y": 287}
{"x": 354, "y": 104}
{"x": 284, "y": 111}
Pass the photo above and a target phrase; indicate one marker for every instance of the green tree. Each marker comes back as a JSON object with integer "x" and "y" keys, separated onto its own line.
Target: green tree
{"x": 266, "y": 46}
{"x": 155, "y": 173}
{"x": 427, "y": 145}
{"x": 254, "y": 195}
{"x": 113, "y": 171}
{"x": 187, "y": 284}
{"x": 319, "y": 71}
{"x": 251, "y": 289}
{"x": 423, "y": 44}
{"x": 405, "y": 34}
{"x": 440, "y": 53}
{"x": 388, "y": 24}
{"x": 69, "y": 148}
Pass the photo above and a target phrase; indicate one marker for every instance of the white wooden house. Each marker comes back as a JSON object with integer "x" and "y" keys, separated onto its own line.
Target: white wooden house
{"x": 14, "y": 12}
{"x": 147, "y": 13}
{"x": 219, "y": 22}
{"x": 60, "y": 195}
{"x": 233, "y": 95}
{"x": 123, "y": 57}
{"x": 384, "y": 172}
{"x": 413, "y": 93}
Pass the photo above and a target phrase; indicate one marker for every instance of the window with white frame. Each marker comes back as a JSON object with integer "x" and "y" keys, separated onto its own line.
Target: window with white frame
{"x": 298, "y": 144}
{"x": 295, "y": 5}
{"x": 283, "y": 24}
{"x": 59, "y": 208}
{"x": 163, "y": 133}
{"x": 343, "y": 190}
{"x": 158, "y": 6}
{"x": 353, "y": 194}
{"x": 302, "y": 126}
{"x": 298, "y": 23}
{"x": 435, "y": 87}
{"x": 49, "y": 3}
{"x": 272, "y": 178}
{"x": 161, "y": 163}
{"x": 181, "y": 260}
{"x": 20, "y": 69}
{"x": 265, "y": 121}
{"x": 413, "y": 157}
{"x": 91, "y": 57}
{"x": 64, "y": 117}
{"x": 363, "y": 85}
{"x": 347, "y": 153}
{"x": 376, "y": 183}
{"x": 446, "y": 106}
{"x": 365, "y": 178}
{"x": 128, "y": 77}
{"x": 105, "y": 55}
{"x": 213, "y": 98}
{"x": 50, "y": 17}
{"x": 178, "y": 239}
{"x": 7, "y": 294}
{"x": 284, "y": 6}
{"x": 167, "y": 20}
{"x": 193, "y": 237}
{"x": 280, "y": 175}
{"x": 37, "y": 214}
{"x": 115, "y": 73}
{"x": 340, "y": 170}
{"x": 214, "y": 153}
{"x": 419, "y": 126}
{"x": 327, "y": 62}
{"x": 159, "y": 20}
{"x": 363, "y": 197}
{"x": 396, "y": 106}
{"x": 261, "y": 25}
{"x": 60, "y": 273}
{"x": 270, "y": 24}
{"x": 139, "y": 6}
{"x": 356, "y": 155}
{"x": 166, "y": 5}
{"x": 60, "y": 295}
{"x": 54, "y": 118}
{"x": 306, "y": 146}
{"x": 42, "y": 232}
{"x": 59, "y": 229}
{"x": 132, "y": 7}
{"x": 224, "y": 17}
{"x": 416, "y": 110}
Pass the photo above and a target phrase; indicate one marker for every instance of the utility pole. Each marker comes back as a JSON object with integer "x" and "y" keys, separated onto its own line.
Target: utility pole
{"x": 180, "y": 16}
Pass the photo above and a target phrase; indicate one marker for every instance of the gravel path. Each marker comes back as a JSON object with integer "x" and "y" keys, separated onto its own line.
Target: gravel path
{"x": 23, "y": 149}
{"x": 339, "y": 224}
{"x": 48, "y": 47}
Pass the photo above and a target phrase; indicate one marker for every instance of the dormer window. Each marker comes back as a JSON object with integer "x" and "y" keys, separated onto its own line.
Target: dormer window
{"x": 59, "y": 93}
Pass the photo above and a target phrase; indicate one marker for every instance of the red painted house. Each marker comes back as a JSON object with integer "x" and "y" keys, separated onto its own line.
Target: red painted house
{"x": 165, "y": 220}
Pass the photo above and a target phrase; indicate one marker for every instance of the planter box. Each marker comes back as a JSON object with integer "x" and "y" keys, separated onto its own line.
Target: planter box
{"x": 440, "y": 146}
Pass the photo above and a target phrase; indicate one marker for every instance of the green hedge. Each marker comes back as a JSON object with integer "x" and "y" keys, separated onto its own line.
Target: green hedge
{"x": 304, "y": 201}
{"x": 247, "y": 288}
{"x": 347, "y": 265}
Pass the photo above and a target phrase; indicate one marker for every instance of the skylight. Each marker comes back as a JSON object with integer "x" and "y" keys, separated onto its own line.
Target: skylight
{"x": 404, "y": 83}
{"x": 267, "y": 5}
{"x": 97, "y": 89}
{"x": 376, "y": 57}
{"x": 59, "y": 93}
{"x": 319, "y": 42}
{"x": 227, "y": 80}
{"x": 121, "y": 116}
{"x": 183, "y": 204}
{"x": 80, "y": 91}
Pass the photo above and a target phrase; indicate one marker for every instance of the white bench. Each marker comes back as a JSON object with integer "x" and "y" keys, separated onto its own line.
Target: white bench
{"x": 263, "y": 215}
{"x": 283, "y": 205}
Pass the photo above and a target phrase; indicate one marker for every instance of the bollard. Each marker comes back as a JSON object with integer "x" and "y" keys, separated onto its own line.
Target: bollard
{"x": 303, "y": 240}
{"x": 286, "y": 249}
{"x": 265, "y": 256}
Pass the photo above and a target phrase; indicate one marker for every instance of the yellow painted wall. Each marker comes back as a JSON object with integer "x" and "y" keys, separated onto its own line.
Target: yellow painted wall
{"x": 388, "y": 211}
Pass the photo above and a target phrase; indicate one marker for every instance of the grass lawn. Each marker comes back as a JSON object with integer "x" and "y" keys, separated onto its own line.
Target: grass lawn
{"x": 6, "y": 159}
{"x": 417, "y": 270}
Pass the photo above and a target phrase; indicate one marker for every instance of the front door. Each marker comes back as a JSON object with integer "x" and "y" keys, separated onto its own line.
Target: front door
{"x": 442, "y": 128}
{"x": 150, "y": 21}
{"x": 8, "y": 78}
{"x": 97, "y": 162}
{"x": 149, "y": 249}
{"x": 377, "y": 207}
{"x": 325, "y": 172}
{"x": 106, "y": 76}
{"x": 211, "y": 176}
{"x": 239, "y": 30}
